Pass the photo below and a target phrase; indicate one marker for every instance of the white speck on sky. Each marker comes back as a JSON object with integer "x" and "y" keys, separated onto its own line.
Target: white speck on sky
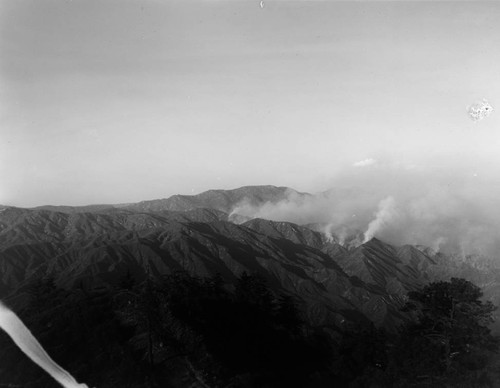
{"x": 480, "y": 110}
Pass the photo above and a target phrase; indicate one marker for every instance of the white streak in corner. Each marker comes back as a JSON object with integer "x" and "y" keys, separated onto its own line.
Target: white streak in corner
{"x": 23, "y": 338}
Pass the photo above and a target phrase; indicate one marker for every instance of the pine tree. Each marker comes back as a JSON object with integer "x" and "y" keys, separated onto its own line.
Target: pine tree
{"x": 450, "y": 332}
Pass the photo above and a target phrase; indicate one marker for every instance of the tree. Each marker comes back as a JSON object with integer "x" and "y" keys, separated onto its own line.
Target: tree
{"x": 450, "y": 332}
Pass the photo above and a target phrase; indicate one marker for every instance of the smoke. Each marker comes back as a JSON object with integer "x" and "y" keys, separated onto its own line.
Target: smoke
{"x": 23, "y": 338}
{"x": 386, "y": 215}
{"x": 448, "y": 206}
{"x": 337, "y": 208}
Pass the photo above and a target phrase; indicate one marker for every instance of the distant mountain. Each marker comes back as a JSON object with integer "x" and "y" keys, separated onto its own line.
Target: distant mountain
{"x": 223, "y": 200}
{"x": 77, "y": 209}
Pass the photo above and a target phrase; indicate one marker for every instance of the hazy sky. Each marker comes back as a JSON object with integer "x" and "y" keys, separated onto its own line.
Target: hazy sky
{"x": 118, "y": 101}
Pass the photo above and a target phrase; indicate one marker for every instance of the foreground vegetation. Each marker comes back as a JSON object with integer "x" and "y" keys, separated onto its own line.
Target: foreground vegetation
{"x": 185, "y": 331}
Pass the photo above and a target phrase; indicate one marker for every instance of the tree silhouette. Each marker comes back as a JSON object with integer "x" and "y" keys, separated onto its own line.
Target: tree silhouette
{"x": 450, "y": 332}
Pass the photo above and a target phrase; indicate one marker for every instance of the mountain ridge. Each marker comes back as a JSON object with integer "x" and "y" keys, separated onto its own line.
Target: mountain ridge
{"x": 101, "y": 245}
{"x": 212, "y": 198}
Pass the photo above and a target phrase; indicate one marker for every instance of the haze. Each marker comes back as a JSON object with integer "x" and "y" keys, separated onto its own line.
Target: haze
{"x": 121, "y": 101}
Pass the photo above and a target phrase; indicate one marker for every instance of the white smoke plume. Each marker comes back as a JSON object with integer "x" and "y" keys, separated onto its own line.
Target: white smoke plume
{"x": 327, "y": 231}
{"x": 386, "y": 215}
{"x": 23, "y": 338}
{"x": 444, "y": 205}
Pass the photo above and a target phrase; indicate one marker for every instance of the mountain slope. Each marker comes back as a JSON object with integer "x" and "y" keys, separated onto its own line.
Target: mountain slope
{"x": 333, "y": 281}
{"x": 91, "y": 249}
{"x": 223, "y": 200}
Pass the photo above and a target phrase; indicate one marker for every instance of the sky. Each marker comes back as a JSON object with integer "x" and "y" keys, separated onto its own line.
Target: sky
{"x": 117, "y": 101}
